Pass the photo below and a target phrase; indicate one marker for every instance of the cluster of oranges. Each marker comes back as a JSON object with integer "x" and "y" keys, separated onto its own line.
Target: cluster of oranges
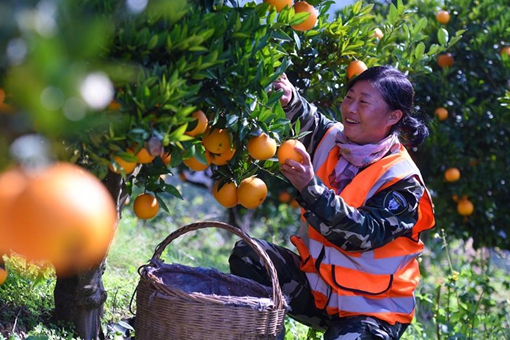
{"x": 299, "y": 7}
{"x": 61, "y": 214}
{"x": 251, "y": 191}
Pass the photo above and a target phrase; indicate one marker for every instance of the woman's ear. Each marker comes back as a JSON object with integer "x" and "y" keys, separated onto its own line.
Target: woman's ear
{"x": 395, "y": 117}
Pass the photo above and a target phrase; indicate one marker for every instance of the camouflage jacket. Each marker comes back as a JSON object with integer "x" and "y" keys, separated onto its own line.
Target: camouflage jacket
{"x": 389, "y": 214}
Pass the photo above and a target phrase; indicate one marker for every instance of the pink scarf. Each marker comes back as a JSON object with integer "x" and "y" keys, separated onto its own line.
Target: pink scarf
{"x": 354, "y": 157}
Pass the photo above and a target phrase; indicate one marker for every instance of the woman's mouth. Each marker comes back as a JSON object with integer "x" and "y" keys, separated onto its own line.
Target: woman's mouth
{"x": 351, "y": 121}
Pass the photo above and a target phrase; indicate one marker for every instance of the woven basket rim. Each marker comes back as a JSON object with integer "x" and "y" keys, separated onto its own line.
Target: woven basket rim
{"x": 276, "y": 301}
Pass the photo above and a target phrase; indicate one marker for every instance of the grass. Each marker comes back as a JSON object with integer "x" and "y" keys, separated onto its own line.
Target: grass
{"x": 455, "y": 299}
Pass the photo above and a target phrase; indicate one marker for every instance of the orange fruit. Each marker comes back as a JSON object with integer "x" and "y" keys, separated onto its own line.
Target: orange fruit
{"x": 505, "y": 50}
{"x": 122, "y": 164}
{"x": 443, "y": 17}
{"x": 445, "y": 60}
{"x": 465, "y": 207}
{"x": 284, "y": 197}
{"x": 279, "y": 4}
{"x": 144, "y": 156}
{"x": 201, "y": 124}
{"x": 294, "y": 203}
{"x": 251, "y": 192}
{"x": 166, "y": 158}
{"x": 261, "y": 147}
{"x": 12, "y": 182}
{"x": 355, "y": 68}
{"x": 145, "y": 206}
{"x": 452, "y": 175}
{"x": 2, "y": 95}
{"x": 64, "y": 215}
{"x": 378, "y": 33}
{"x": 114, "y": 105}
{"x": 441, "y": 113}
{"x": 194, "y": 164}
{"x": 286, "y": 151}
{"x": 216, "y": 140}
{"x": 301, "y": 7}
{"x": 223, "y": 158}
{"x": 226, "y": 195}
{"x": 3, "y": 272}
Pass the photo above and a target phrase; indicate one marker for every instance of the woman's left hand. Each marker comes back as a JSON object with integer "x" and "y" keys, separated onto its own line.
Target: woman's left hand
{"x": 299, "y": 174}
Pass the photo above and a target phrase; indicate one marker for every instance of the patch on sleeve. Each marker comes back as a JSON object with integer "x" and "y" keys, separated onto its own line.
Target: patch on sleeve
{"x": 395, "y": 202}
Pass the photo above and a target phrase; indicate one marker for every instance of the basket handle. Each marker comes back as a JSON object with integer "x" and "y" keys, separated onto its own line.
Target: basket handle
{"x": 268, "y": 264}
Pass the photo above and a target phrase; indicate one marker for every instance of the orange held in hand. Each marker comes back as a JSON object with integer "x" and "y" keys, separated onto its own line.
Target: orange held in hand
{"x": 251, "y": 192}
{"x": 261, "y": 147}
{"x": 310, "y": 21}
{"x": 63, "y": 215}
{"x": 145, "y": 206}
{"x": 287, "y": 151}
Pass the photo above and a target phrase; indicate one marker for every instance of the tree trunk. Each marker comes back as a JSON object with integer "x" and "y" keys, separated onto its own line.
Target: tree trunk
{"x": 79, "y": 299}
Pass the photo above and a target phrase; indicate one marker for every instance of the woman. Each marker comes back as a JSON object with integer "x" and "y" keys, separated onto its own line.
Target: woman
{"x": 364, "y": 205}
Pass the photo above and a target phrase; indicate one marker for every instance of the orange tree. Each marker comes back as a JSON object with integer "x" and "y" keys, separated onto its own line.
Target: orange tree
{"x": 475, "y": 134}
{"x": 103, "y": 81}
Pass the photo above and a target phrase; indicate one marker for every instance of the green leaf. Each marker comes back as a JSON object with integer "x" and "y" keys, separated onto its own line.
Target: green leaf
{"x": 393, "y": 15}
{"x": 153, "y": 42}
{"x": 173, "y": 191}
{"x": 442, "y": 36}
{"x": 418, "y": 52}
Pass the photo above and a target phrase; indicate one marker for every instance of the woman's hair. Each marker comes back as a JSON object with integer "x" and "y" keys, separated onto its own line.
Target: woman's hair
{"x": 398, "y": 93}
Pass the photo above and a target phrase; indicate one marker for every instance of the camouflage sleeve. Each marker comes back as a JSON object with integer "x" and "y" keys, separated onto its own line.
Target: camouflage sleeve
{"x": 310, "y": 120}
{"x": 387, "y": 215}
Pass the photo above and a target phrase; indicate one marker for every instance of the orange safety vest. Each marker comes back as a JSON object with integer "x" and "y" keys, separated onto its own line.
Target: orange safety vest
{"x": 379, "y": 282}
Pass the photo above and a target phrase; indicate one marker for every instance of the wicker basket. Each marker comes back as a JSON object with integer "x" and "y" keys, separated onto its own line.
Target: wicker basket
{"x": 179, "y": 302}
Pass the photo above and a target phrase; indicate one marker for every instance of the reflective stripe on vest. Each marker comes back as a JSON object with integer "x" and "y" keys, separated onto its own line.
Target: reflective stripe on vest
{"x": 380, "y": 282}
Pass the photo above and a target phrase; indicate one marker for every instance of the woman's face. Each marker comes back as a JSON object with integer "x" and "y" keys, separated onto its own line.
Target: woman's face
{"x": 365, "y": 115}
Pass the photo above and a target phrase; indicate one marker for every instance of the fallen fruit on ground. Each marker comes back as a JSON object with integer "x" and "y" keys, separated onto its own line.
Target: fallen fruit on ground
{"x": 251, "y": 192}
{"x": 287, "y": 151}
{"x": 145, "y": 206}
{"x": 226, "y": 195}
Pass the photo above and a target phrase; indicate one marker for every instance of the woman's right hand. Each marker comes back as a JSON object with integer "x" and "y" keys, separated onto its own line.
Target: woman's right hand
{"x": 283, "y": 84}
